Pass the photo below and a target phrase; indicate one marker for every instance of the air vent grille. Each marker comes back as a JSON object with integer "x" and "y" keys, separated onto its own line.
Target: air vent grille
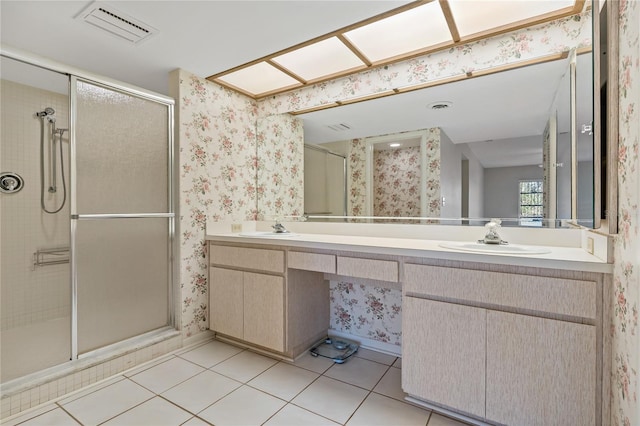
{"x": 116, "y": 23}
{"x": 340, "y": 127}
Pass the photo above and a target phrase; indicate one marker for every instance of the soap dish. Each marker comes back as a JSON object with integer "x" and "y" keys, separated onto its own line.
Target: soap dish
{"x": 338, "y": 350}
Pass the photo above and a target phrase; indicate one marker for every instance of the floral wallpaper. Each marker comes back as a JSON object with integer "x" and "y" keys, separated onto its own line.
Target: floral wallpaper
{"x": 371, "y": 312}
{"x": 280, "y": 165}
{"x": 434, "y": 162}
{"x": 216, "y": 178}
{"x": 221, "y": 152}
{"x": 625, "y": 407}
{"x": 356, "y": 181}
{"x": 397, "y": 175}
{"x": 396, "y": 182}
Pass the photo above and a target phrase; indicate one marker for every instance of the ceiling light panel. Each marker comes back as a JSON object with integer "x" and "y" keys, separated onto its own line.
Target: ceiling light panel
{"x": 476, "y": 16}
{"x": 320, "y": 59}
{"x": 405, "y": 32}
{"x": 259, "y": 78}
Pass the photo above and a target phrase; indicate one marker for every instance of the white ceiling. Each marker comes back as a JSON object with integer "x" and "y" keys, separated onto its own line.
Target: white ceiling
{"x": 204, "y": 37}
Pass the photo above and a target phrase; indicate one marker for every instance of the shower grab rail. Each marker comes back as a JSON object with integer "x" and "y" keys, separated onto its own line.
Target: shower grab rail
{"x": 50, "y": 256}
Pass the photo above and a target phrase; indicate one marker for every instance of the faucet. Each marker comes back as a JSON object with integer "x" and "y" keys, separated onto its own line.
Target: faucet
{"x": 279, "y": 228}
{"x": 492, "y": 236}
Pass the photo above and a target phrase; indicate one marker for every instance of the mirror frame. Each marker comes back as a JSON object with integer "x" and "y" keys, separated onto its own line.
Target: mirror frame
{"x": 613, "y": 110}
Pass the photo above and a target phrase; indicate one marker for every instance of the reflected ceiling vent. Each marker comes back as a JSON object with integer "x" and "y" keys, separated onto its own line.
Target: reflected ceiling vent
{"x": 111, "y": 20}
{"x": 340, "y": 127}
{"x": 440, "y": 105}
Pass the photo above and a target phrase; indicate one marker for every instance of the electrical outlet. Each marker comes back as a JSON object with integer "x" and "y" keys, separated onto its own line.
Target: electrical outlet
{"x": 590, "y": 245}
{"x": 236, "y": 227}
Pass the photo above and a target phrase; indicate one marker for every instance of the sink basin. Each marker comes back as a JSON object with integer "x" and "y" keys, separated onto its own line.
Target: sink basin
{"x": 268, "y": 234}
{"x": 495, "y": 248}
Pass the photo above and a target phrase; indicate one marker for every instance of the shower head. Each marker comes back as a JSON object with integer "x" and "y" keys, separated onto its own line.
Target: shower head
{"x": 47, "y": 111}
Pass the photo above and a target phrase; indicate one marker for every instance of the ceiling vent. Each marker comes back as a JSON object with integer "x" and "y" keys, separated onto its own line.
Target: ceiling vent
{"x": 340, "y": 127}
{"x": 105, "y": 17}
{"x": 440, "y": 105}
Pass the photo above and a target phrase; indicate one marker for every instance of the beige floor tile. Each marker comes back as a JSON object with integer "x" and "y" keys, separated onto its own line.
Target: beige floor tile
{"x": 211, "y": 354}
{"x": 156, "y": 411}
{"x": 439, "y": 420}
{"x": 316, "y": 364}
{"x": 200, "y": 391}
{"x": 331, "y": 398}
{"x": 244, "y": 406}
{"x": 194, "y": 421}
{"x": 55, "y": 417}
{"x": 93, "y": 388}
{"x": 166, "y": 375}
{"x": 391, "y": 384}
{"x": 375, "y": 356}
{"x": 244, "y": 366}
{"x": 284, "y": 380}
{"x": 358, "y": 371}
{"x": 291, "y": 415}
{"x": 108, "y": 402}
{"x": 383, "y": 411}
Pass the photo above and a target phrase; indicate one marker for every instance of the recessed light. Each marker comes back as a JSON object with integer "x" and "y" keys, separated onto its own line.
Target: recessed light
{"x": 394, "y": 145}
{"x": 440, "y": 105}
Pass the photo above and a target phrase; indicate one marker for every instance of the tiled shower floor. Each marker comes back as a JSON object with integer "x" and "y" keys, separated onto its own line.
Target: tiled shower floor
{"x": 219, "y": 384}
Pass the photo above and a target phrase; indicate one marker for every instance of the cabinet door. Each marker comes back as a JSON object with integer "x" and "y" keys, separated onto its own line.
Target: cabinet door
{"x": 443, "y": 354}
{"x": 264, "y": 310}
{"x": 226, "y": 302}
{"x": 540, "y": 371}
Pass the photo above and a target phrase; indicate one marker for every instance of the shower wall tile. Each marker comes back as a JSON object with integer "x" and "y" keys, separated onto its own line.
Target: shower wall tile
{"x": 30, "y": 296}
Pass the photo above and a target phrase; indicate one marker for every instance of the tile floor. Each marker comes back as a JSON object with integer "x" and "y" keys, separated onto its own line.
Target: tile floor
{"x": 219, "y": 384}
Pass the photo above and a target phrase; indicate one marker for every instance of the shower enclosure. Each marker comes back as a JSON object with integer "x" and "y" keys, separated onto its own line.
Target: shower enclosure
{"x": 87, "y": 217}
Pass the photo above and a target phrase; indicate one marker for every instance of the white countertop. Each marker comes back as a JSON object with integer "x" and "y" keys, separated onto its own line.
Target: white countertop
{"x": 567, "y": 258}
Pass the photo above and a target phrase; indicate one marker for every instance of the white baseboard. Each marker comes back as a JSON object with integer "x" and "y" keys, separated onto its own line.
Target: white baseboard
{"x": 366, "y": 343}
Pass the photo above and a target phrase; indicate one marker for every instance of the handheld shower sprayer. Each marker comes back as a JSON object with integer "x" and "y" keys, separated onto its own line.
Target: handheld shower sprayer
{"x": 47, "y": 111}
{"x": 49, "y": 115}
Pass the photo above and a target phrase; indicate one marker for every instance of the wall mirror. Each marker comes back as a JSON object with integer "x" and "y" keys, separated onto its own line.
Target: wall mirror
{"x": 472, "y": 146}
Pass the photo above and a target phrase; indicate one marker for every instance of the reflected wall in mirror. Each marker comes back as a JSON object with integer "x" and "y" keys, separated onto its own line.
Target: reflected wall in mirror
{"x": 485, "y": 139}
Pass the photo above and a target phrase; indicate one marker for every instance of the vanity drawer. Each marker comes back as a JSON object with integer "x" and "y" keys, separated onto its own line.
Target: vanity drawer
{"x": 383, "y": 270}
{"x": 543, "y": 294}
{"x": 247, "y": 258}
{"x": 312, "y": 261}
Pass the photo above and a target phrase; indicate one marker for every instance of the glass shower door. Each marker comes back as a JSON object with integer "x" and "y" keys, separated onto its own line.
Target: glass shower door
{"x": 122, "y": 216}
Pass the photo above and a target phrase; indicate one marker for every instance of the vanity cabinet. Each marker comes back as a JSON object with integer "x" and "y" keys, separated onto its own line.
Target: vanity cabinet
{"x": 540, "y": 371}
{"x": 248, "y": 305}
{"x": 506, "y": 348}
{"x": 264, "y": 310}
{"x": 443, "y": 353}
{"x": 499, "y": 343}
{"x": 226, "y": 301}
{"x": 255, "y": 299}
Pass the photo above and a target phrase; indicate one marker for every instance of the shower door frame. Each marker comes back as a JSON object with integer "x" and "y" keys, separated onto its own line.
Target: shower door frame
{"x": 75, "y": 217}
{"x": 74, "y": 76}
